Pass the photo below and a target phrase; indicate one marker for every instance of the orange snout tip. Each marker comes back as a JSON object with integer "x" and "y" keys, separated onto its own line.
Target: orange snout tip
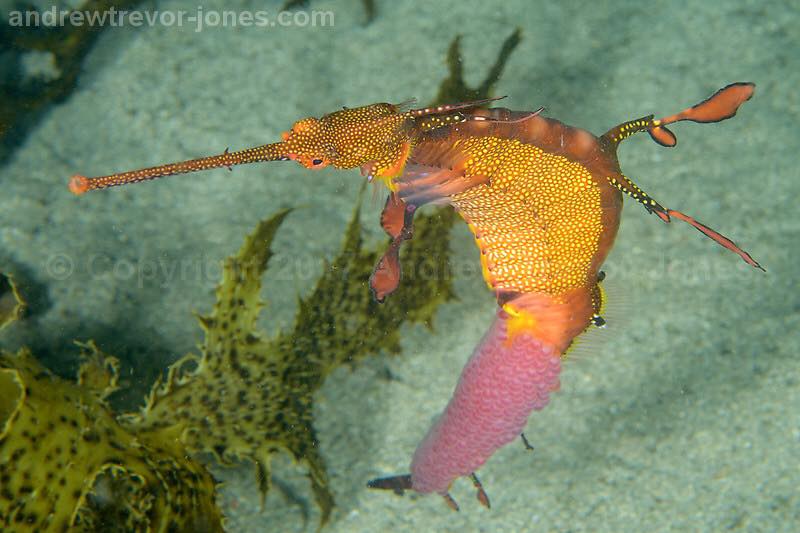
{"x": 78, "y": 184}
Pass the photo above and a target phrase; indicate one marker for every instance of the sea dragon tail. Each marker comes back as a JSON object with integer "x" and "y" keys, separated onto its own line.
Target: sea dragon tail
{"x": 511, "y": 373}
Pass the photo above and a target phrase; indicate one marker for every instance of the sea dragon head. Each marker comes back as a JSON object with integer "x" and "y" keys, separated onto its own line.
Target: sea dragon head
{"x": 377, "y": 135}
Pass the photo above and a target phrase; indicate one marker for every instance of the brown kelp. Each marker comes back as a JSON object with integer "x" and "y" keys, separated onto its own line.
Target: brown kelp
{"x": 11, "y": 303}
{"x": 248, "y": 397}
{"x": 66, "y": 464}
{"x": 454, "y": 88}
{"x": 369, "y": 7}
{"x": 25, "y": 97}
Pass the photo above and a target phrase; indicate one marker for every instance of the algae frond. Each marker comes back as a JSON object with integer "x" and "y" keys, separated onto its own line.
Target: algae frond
{"x": 11, "y": 303}
{"x": 66, "y": 464}
{"x": 455, "y": 89}
{"x": 247, "y": 397}
{"x": 369, "y": 7}
{"x": 25, "y": 97}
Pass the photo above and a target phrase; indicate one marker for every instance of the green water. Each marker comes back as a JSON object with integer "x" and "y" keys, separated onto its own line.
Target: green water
{"x": 683, "y": 418}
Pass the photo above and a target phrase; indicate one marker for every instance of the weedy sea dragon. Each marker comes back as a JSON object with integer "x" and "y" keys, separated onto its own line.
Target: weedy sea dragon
{"x": 543, "y": 201}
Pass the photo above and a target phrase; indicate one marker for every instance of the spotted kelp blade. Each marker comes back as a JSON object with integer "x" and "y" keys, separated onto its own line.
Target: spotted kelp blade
{"x": 68, "y": 465}
{"x": 247, "y": 397}
{"x": 11, "y": 303}
{"x": 230, "y": 401}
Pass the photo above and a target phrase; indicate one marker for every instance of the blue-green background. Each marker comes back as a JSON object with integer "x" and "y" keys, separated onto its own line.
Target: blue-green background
{"x": 684, "y": 417}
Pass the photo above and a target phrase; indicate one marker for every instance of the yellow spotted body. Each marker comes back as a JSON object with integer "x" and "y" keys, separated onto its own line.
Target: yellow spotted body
{"x": 538, "y": 219}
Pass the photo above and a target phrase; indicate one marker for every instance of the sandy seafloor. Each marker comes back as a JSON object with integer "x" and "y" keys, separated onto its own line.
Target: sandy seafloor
{"x": 686, "y": 417}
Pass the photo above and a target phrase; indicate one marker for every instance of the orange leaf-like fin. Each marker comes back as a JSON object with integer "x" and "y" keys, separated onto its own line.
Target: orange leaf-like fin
{"x": 719, "y": 238}
{"x": 721, "y": 105}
